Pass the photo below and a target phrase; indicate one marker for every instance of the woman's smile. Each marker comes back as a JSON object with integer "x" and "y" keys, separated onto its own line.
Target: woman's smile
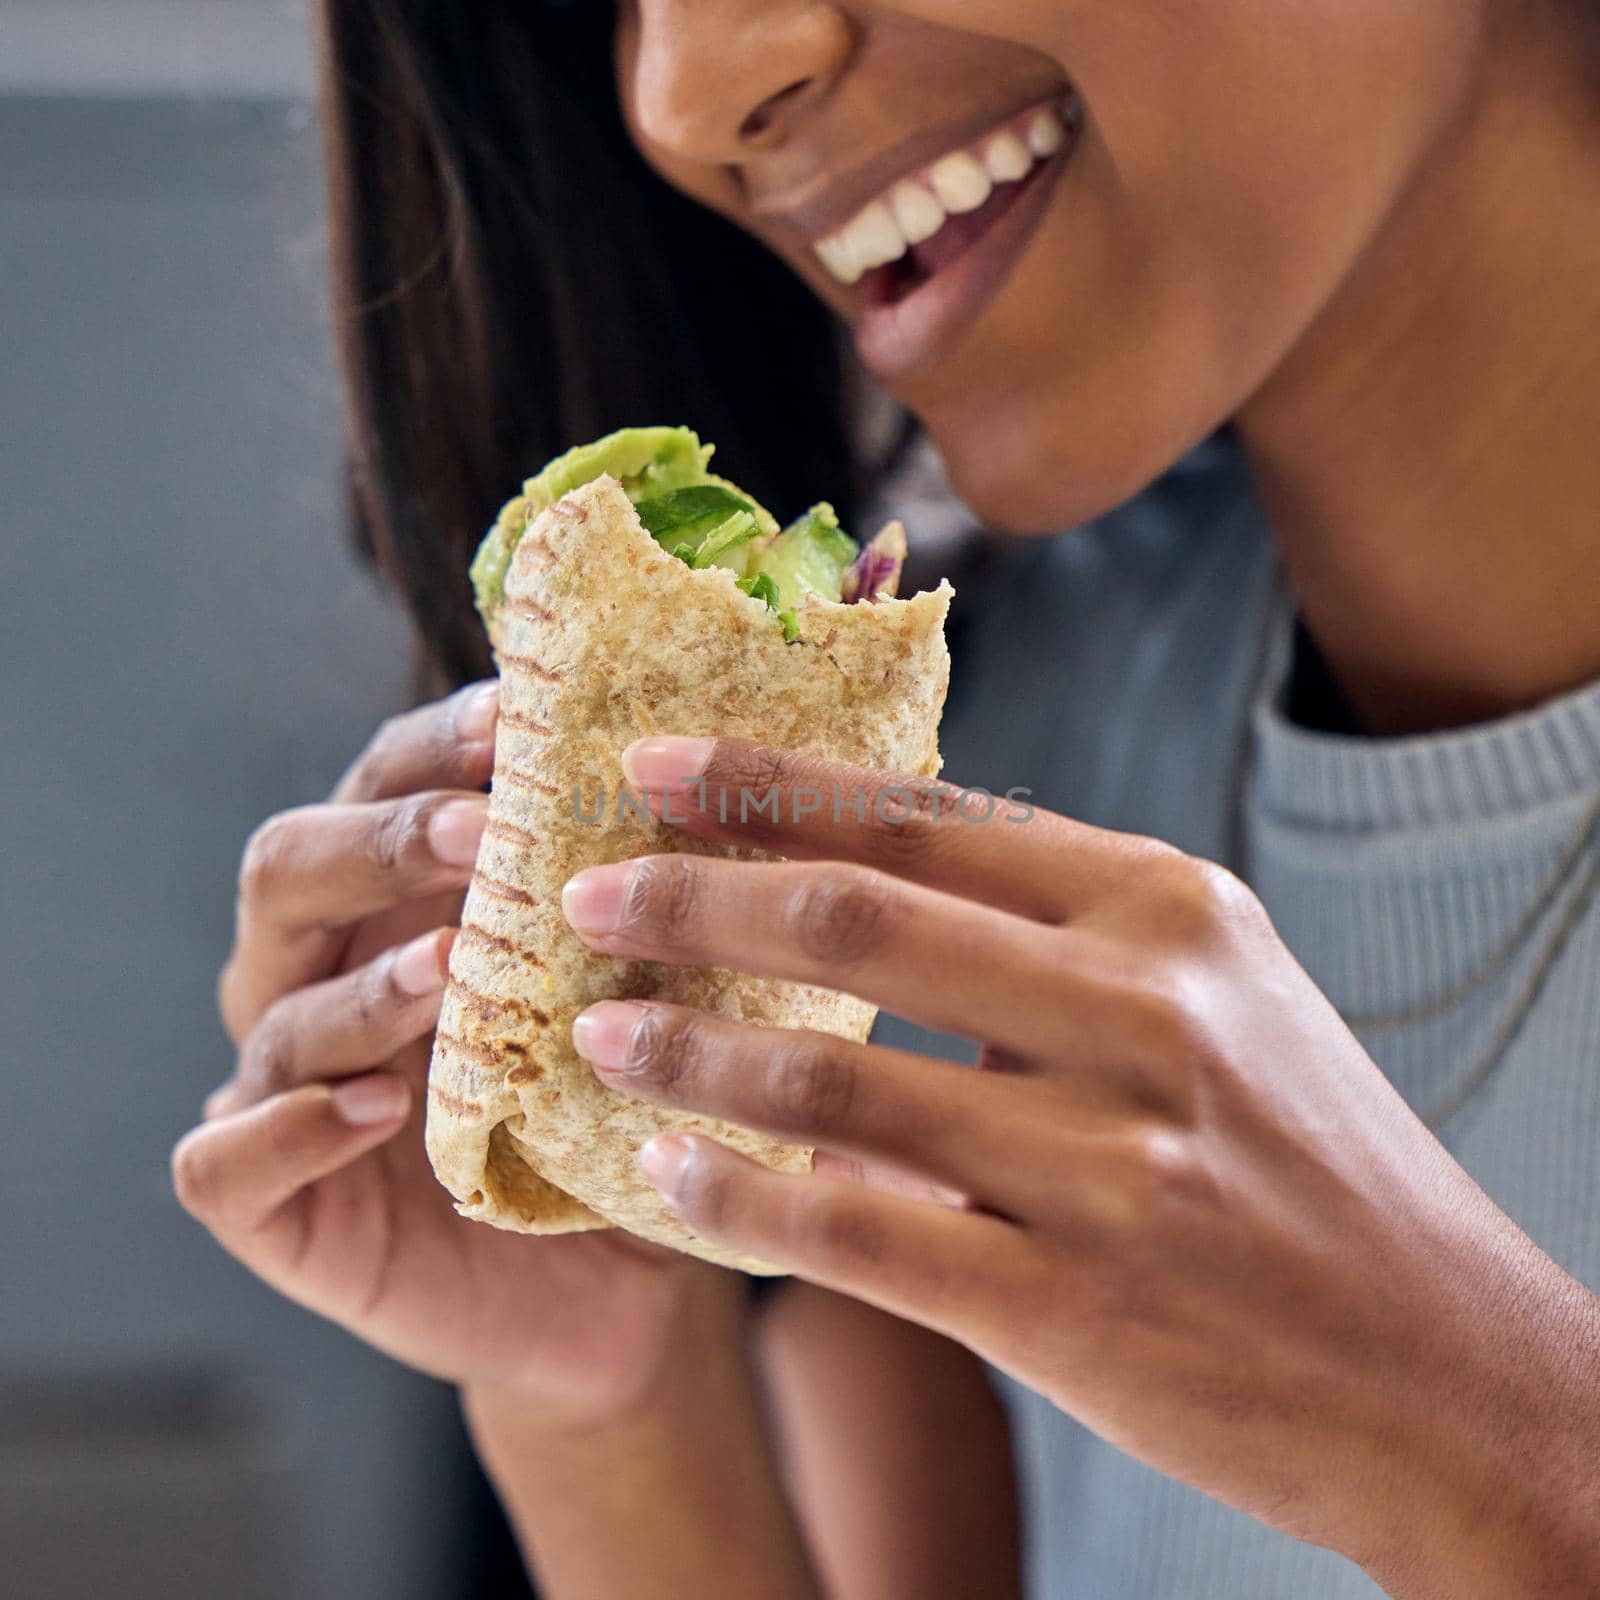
{"x": 931, "y": 250}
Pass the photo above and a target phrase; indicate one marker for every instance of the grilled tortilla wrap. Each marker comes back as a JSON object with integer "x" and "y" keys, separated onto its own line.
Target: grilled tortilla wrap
{"x": 602, "y": 636}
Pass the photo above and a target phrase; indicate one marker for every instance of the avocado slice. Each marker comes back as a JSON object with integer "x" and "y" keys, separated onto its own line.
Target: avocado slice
{"x": 809, "y": 557}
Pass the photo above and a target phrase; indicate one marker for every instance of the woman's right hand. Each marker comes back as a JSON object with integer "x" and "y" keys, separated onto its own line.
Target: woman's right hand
{"x": 309, "y": 1163}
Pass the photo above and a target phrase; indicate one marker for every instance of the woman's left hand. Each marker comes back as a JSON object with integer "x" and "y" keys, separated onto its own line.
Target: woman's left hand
{"x": 1197, "y": 1216}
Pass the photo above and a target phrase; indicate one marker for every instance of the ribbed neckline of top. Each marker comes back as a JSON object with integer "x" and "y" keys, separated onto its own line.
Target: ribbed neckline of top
{"x": 1352, "y": 783}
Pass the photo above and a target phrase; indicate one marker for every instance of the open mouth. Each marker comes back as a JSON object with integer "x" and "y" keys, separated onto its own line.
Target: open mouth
{"x": 930, "y": 252}
{"x": 925, "y": 221}
{"x": 895, "y": 280}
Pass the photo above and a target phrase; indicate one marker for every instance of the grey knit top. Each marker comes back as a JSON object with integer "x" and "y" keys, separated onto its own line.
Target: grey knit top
{"x": 1133, "y": 674}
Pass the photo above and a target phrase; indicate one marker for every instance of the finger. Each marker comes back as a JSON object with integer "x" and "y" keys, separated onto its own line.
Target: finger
{"x": 945, "y": 1122}
{"x": 945, "y": 962}
{"x": 1001, "y": 851}
{"x": 373, "y": 935}
{"x": 341, "y": 1025}
{"x": 326, "y": 866}
{"x": 237, "y": 1174}
{"x": 308, "y": 874}
{"x": 446, "y": 745}
{"x": 890, "y": 1179}
{"x": 951, "y": 1270}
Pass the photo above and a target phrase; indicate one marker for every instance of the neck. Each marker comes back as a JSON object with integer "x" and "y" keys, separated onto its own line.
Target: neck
{"x": 1429, "y": 454}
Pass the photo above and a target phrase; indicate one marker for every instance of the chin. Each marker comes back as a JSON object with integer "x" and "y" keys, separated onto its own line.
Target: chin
{"x": 1019, "y": 477}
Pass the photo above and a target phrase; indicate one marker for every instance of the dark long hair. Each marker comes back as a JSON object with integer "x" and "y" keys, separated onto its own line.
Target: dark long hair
{"x": 510, "y": 278}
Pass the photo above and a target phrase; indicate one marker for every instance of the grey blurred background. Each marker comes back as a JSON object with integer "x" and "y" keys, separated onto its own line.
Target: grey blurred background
{"x": 184, "y": 647}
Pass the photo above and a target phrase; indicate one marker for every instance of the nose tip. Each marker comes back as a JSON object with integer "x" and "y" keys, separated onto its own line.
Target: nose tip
{"x": 716, "y": 83}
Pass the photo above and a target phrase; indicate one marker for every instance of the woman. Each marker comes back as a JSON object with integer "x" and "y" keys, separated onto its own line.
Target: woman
{"x": 1264, "y": 1333}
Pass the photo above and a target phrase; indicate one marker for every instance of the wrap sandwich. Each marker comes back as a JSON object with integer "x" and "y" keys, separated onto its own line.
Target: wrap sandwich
{"x": 629, "y": 591}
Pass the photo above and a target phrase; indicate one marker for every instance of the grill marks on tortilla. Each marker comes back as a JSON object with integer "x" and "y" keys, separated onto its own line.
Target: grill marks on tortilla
{"x": 499, "y": 828}
{"x": 474, "y": 933}
{"x": 453, "y": 1103}
{"x": 535, "y": 544}
{"x": 490, "y": 1009}
{"x": 528, "y": 664}
{"x": 512, "y": 779}
{"x": 523, "y": 723}
{"x": 498, "y": 889}
{"x": 483, "y": 1054}
{"x": 528, "y": 610}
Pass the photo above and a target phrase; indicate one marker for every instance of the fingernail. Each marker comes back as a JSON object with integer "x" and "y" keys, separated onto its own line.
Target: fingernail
{"x": 592, "y": 901}
{"x": 419, "y": 968}
{"x": 479, "y": 708}
{"x": 365, "y": 1102}
{"x": 456, "y": 830}
{"x": 664, "y": 1162}
{"x": 663, "y": 763}
{"x": 601, "y": 1034}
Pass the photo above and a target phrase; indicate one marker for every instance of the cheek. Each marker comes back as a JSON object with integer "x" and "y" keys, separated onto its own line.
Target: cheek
{"x": 1241, "y": 158}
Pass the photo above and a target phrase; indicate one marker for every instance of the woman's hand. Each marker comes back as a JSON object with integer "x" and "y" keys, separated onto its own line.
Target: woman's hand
{"x": 309, "y": 1165}
{"x": 1199, "y": 1217}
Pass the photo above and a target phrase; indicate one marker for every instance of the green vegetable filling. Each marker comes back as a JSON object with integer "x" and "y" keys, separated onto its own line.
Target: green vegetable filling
{"x": 762, "y": 588}
{"x": 691, "y": 513}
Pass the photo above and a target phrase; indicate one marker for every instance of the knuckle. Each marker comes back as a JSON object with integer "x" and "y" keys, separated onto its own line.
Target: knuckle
{"x": 191, "y": 1176}
{"x": 663, "y": 899}
{"x": 398, "y": 836}
{"x": 1162, "y": 1019}
{"x": 666, "y": 1047}
{"x": 287, "y": 1134}
{"x": 1149, "y": 1022}
{"x": 388, "y": 738}
{"x": 840, "y": 916}
{"x": 374, "y": 995}
{"x": 1172, "y": 1033}
{"x": 435, "y": 729}
{"x": 1116, "y": 1244}
{"x": 839, "y": 1230}
{"x": 1225, "y": 895}
{"x": 267, "y": 1062}
{"x": 810, "y": 1086}
{"x": 1152, "y": 1204}
{"x": 706, "y": 1194}
{"x": 1208, "y": 901}
{"x": 267, "y": 853}
{"x": 753, "y": 766}
{"x": 230, "y": 1006}
{"x": 905, "y": 823}
{"x": 1166, "y": 1174}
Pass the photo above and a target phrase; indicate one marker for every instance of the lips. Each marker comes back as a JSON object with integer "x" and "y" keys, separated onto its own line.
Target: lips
{"x": 911, "y": 307}
{"x": 927, "y": 253}
{"x": 903, "y": 276}
{"x": 916, "y": 209}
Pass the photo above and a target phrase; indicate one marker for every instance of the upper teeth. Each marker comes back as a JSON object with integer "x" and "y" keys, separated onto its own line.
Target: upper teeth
{"x": 917, "y": 207}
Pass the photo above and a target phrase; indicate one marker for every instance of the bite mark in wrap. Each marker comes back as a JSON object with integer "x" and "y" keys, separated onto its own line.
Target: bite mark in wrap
{"x": 602, "y": 636}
